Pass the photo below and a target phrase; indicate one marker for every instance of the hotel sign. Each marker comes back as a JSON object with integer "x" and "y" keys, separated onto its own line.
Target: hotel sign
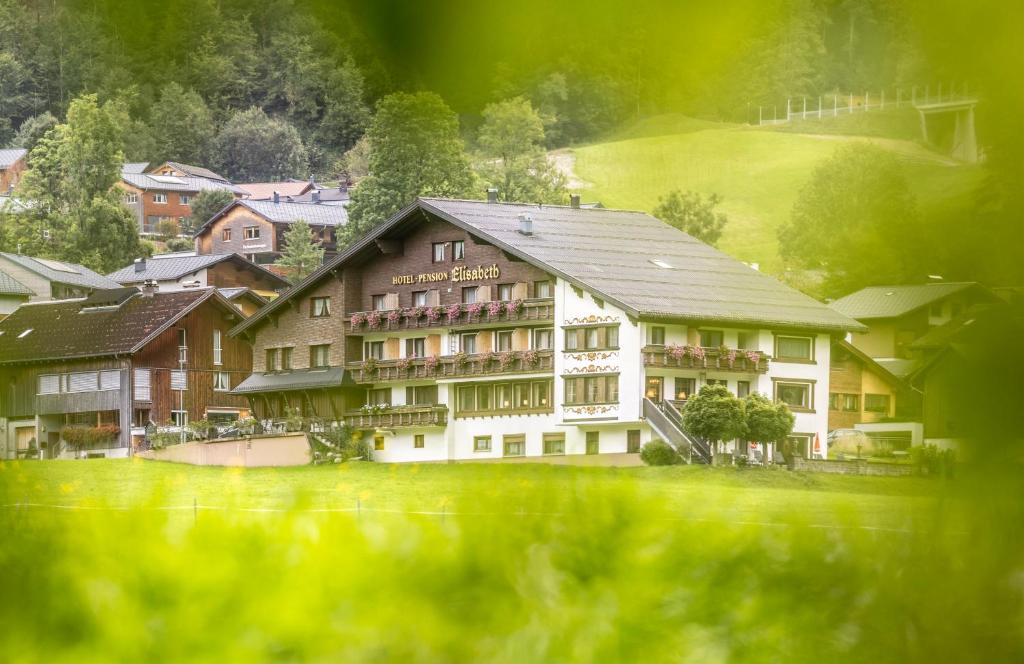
{"x": 456, "y": 275}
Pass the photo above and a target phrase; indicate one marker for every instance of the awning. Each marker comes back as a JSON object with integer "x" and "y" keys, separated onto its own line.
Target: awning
{"x": 297, "y": 379}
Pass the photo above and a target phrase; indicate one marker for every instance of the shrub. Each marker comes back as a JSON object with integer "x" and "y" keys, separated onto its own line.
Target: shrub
{"x": 659, "y": 453}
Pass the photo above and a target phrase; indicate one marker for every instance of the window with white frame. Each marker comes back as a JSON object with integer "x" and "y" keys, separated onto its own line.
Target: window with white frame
{"x": 505, "y": 291}
{"x": 798, "y": 395}
{"x": 218, "y": 350}
{"x": 225, "y": 235}
{"x": 438, "y": 252}
{"x": 544, "y": 338}
{"x": 467, "y": 343}
{"x": 503, "y": 340}
{"x": 184, "y": 199}
{"x": 159, "y": 198}
{"x": 374, "y": 349}
{"x": 179, "y": 418}
{"x": 221, "y": 381}
{"x": 131, "y": 198}
{"x": 458, "y": 250}
{"x": 182, "y": 345}
{"x": 416, "y": 347}
{"x": 320, "y": 307}
{"x": 49, "y": 384}
{"x": 469, "y": 294}
{"x": 542, "y": 289}
{"x": 378, "y": 302}
{"x": 320, "y": 356}
{"x": 251, "y": 233}
{"x": 419, "y": 298}
{"x": 796, "y": 348}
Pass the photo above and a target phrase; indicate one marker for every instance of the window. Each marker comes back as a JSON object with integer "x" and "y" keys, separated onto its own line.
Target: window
{"x": 438, "y": 255}
{"x": 182, "y": 345}
{"x": 417, "y": 441}
{"x": 793, "y": 348}
{"x": 795, "y": 395}
{"x": 603, "y": 337}
{"x": 378, "y": 443}
{"x": 178, "y": 380}
{"x": 876, "y": 403}
{"x": 221, "y": 381}
{"x": 272, "y": 357}
{"x": 657, "y": 336}
{"x": 320, "y": 307}
{"x": 633, "y": 441}
{"x": 458, "y": 250}
{"x": 515, "y": 445}
{"x": 49, "y": 384}
{"x": 421, "y": 395}
{"x": 685, "y": 388}
{"x": 218, "y": 349}
{"x": 179, "y": 418}
{"x": 159, "y": 198}
{"x": 595, "y": 389}
{"x": 467, "y": 398}
{"x": 503, "y": 340}
{"x": 544, "y": 338}
{"x": 505, "y": 291}
{"x": 554, "y": 443}
{"x": 742, "y": 388}
{"x": 542, "y": 289}
{"x": 374, "y": 349}
{"x": 488, "y": 398}
{"x": 481, "y": 443}
{"x": 834, "y": 400}
{"x": 593, "y": 442}
{"x": 379, "y": 397}
{"x": 286, "y": 359}
{"x": 935, "y": 310}
{"x": 184, "y": 199}
{"x": 711, "y": 338}
{"x": 419, "y": 298}
{"x": 469, "y": 294}
{"x": 851, "y": 402}
{"x": 467, "y": 343}
{"x": 251, "y": 233}
{"x": 744, "y": 340}
{"x": 320, "y": 356}
{"x": 415, "y": 347}
{"x": 378, "y": 302}
{"x": 131, "y": 198}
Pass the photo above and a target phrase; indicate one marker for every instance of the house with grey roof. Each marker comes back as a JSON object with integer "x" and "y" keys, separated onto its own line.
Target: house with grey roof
{"x": 178, "y": 271}
{"x": 166, "y": 193}
{"x": 13, "y": 294}
{"x": 255, "y": 228}
{"x": 177, "y": 169}
{"x": 48, "y": 279}
{"x": 483, "y": 330}
{"x": 12, "y": 165}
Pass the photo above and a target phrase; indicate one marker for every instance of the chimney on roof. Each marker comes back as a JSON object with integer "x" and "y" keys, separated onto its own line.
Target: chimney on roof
{"x": 277, "y": 198}
{"x": 149, "y": 288}
{"x": 316, "y": 196}
{"x": 525, "y": 224}
{"x": 492, "y": 195}
{"x": 140, "y": 264}
{"x": 574, "y": 201}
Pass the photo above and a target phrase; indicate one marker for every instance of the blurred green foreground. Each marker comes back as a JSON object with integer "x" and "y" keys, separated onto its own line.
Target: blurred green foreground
{"x": 131, "y": 561}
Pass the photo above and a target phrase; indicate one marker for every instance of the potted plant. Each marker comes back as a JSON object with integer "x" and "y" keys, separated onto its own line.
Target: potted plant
{"x": 473, "y": 310}
{"x": 513, "y": 307}
{"x": 393, "y": 317}
{"x": 754, "y": 357}
{"x": 434, "y": 314}
{"x": 402, "y": 365}
{"x": 453, "y": 312}
{"x": 373, "y": 320}
{"x": 675, "y": 352}
{"x": 358, "y": 319}
{"x": 415, "y": 313}
{"x": 369, "y": 366}
{"x": 430, "y": 364}
{"x": 494, "y": 309}
{"x": 530, "y": 358}
{"x": 506, "y": 359}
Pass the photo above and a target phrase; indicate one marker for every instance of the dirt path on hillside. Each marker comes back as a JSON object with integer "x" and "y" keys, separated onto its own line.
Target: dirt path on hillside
{"x": 565, "y": 161}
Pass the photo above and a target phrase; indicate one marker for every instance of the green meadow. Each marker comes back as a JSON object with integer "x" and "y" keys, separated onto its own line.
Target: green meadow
{"x": 129, "y": 560}
{"x": 758, "y": 171}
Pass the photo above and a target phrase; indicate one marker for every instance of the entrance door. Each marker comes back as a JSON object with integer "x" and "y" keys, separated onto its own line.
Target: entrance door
{"x": 653, "y": 389}
{"x": 633, "y": 441}
{"x": 22, "y": 437}
{"x": 593, "y": 442}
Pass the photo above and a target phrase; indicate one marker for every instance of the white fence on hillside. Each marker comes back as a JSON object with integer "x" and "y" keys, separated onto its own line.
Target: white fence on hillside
{"x": 835, "y": 104}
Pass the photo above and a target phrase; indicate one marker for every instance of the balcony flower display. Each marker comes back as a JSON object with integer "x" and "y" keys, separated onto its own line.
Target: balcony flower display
{"x": 402, "y": 364}
{"x": 486, "y": 359}
{"x": 494, "y": 309}
{"x": 474, "y": 310}
{"x": 434, "y": 314}
{"x": 514, "y": 307}
{"x": 675, "y": 351}
{"x": 430, "y": 364}
{"x": 357, "y": 320}
{"x": 373, "y": 320}
{"x": 415, "y": 313}
{"x": 530, "y": 358}
{"x": 453, "y": 312}
{"x": 369, "y": 366}
{"x": 727, "y": 354}
{"x": 393, "y": 317}
{"x": 754, "y": 357}
{"x": 460, "y": 359}
{"x": 506, "y": 359}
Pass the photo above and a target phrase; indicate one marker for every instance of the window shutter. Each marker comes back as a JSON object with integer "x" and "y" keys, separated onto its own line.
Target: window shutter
{"x": 519, "y": 290}
{"x": 433, "y": 297}
{"x": 391, "y": 348}
{"x": 483, "y": 294}
{"x": 483, "y": 341}
{"x": 410, "y": 396}
{"x": 521, "y": 339}
{"x": 391, "y": 301}
{"x": 85, "y": 381}
{"x": 110, "y": 380}
{"x": 142, "y": 380}
{"x": 178, "y": 380}
{"x": 49, "y": 384}
{"x": 433, "y": 344}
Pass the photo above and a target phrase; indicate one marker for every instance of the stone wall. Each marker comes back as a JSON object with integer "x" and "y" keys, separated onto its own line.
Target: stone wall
{"x": 273, "y": 450}
{"x": 853, "y": 467}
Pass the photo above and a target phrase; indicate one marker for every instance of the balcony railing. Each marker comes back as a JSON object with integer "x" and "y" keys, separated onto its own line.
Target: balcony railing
{"x": 697, "y": 357}
{"x": 454, "y": 315}
{"x": 398, "y": 416}
{"x": 459, "y": 365}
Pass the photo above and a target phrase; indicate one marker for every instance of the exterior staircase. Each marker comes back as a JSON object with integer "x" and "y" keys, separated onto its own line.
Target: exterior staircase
{"x": 667, "y": 421}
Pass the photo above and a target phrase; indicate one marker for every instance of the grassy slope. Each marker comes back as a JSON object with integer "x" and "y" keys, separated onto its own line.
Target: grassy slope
{"x": 694, "y": 492}
{"x": 757, "y": 171}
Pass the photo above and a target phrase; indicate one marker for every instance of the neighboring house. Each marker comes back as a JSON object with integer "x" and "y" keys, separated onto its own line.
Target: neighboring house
{"x": 173, "y": 272}
{"x": 483, "y": 330}
{"x": 863, "y": 391}
{"x": 256, "y": 229}
{"x": 12, "y": 165}
{"x": 264, "y": 191}
{"x": 154, "y": 197}
{"x": 897, "y": 315}
{"x": 13, "y": 294}
{"x": 247, "y": 300}
{"x": 323, "y": 196}
{"x": 134, "y": 167}
{"x": 50, "y": 279}
{"x": 176, "y": 169}
{"x": 120, "y": 359}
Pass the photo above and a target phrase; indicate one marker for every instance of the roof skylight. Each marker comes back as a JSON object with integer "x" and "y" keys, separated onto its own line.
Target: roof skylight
{"x": 25, "y": 333}
{"x": 662, "y": 264}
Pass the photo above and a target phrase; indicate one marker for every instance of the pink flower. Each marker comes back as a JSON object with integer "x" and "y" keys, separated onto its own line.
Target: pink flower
{"x": 453, "y": 312}
{"x": 530, "y": 358}
{"x": 474, "y": 309}
{"x": 357, "y": 320}
{"x": 754, "y": 357}
{"x": 514, "y": 306}
{"x": 494, "y": 309}
{"x": 506, "y": 359}
{"x": 373, "y": 320}
{"x": 434, "y": 314}
{"x": 676, "y": 352}
{"x": 403, "y": 364}
{"x": 393, "y": 316}
{"x": 415, "y": 313}
{"x": 430, "y": 364}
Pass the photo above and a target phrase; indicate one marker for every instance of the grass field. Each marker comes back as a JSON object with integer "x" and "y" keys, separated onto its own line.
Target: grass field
{"x": 758, "y": 171}
{"x": 496, "y": 563}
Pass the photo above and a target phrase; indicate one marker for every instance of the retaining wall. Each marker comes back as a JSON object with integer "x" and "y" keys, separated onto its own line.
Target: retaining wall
{"x": 289, "y": 449}
{"x": 853, "y": 467}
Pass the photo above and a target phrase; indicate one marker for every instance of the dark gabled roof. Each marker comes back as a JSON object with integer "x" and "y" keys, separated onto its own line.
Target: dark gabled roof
{"x": 67, "y": 329}
{"x": 611, "y": 253}
{"x": 873, "y": 364}
{"x": 62, "y": 272}
{"x": 171, "y": 267}
{"x": 894, "y": 301}
{"x": 286, "y": 213}
{"x": 150, "y": 182}
{"x": 194, "y": 171}
{"x": 233, "y": 293}
{"x": 11, "y": 286}
{"x": 134, "y": 166}
{"x": 332, "y": 196}
{"x": 9, "y": 156}
{"x": 298, "y": 379}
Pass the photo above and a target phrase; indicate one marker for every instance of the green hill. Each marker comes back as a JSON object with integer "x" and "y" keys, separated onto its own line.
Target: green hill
{"x": 757, "y": 170}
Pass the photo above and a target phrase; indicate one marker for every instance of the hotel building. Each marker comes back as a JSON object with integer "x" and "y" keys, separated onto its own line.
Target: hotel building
{"x": 480, "y": 330}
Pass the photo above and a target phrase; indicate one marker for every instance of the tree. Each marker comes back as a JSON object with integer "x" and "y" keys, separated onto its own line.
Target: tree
{"x": 766, "y": 422}
{"x": 32, "y": 129}
{"x": 354, "y": 165}
{"x": 346, "y": 115}
{"x": 693, "y": 214}
{"x": 303, "y": 253}
{"x": 254, "y": 147}
{"x": 854, "y": 221}
{"x": 512, "y": 141}
{"x": 714, "y": 415}
{"x": 74, "y": 213}
{"x": 168, "y": 229}
{"x": 182, "y": 126}
{"x": 415, "y": 150}
{"x": 208, "y": 203}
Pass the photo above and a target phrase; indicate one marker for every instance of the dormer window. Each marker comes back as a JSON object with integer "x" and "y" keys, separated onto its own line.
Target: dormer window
{"x": 25, "y": 333}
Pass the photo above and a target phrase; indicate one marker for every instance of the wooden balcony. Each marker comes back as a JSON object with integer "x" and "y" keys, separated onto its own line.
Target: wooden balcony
{"x": 453, "y": 366}
{"x": 711, "y": 358}
{"x": 485, "y": 314}
{"x": 398, "y": 416}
